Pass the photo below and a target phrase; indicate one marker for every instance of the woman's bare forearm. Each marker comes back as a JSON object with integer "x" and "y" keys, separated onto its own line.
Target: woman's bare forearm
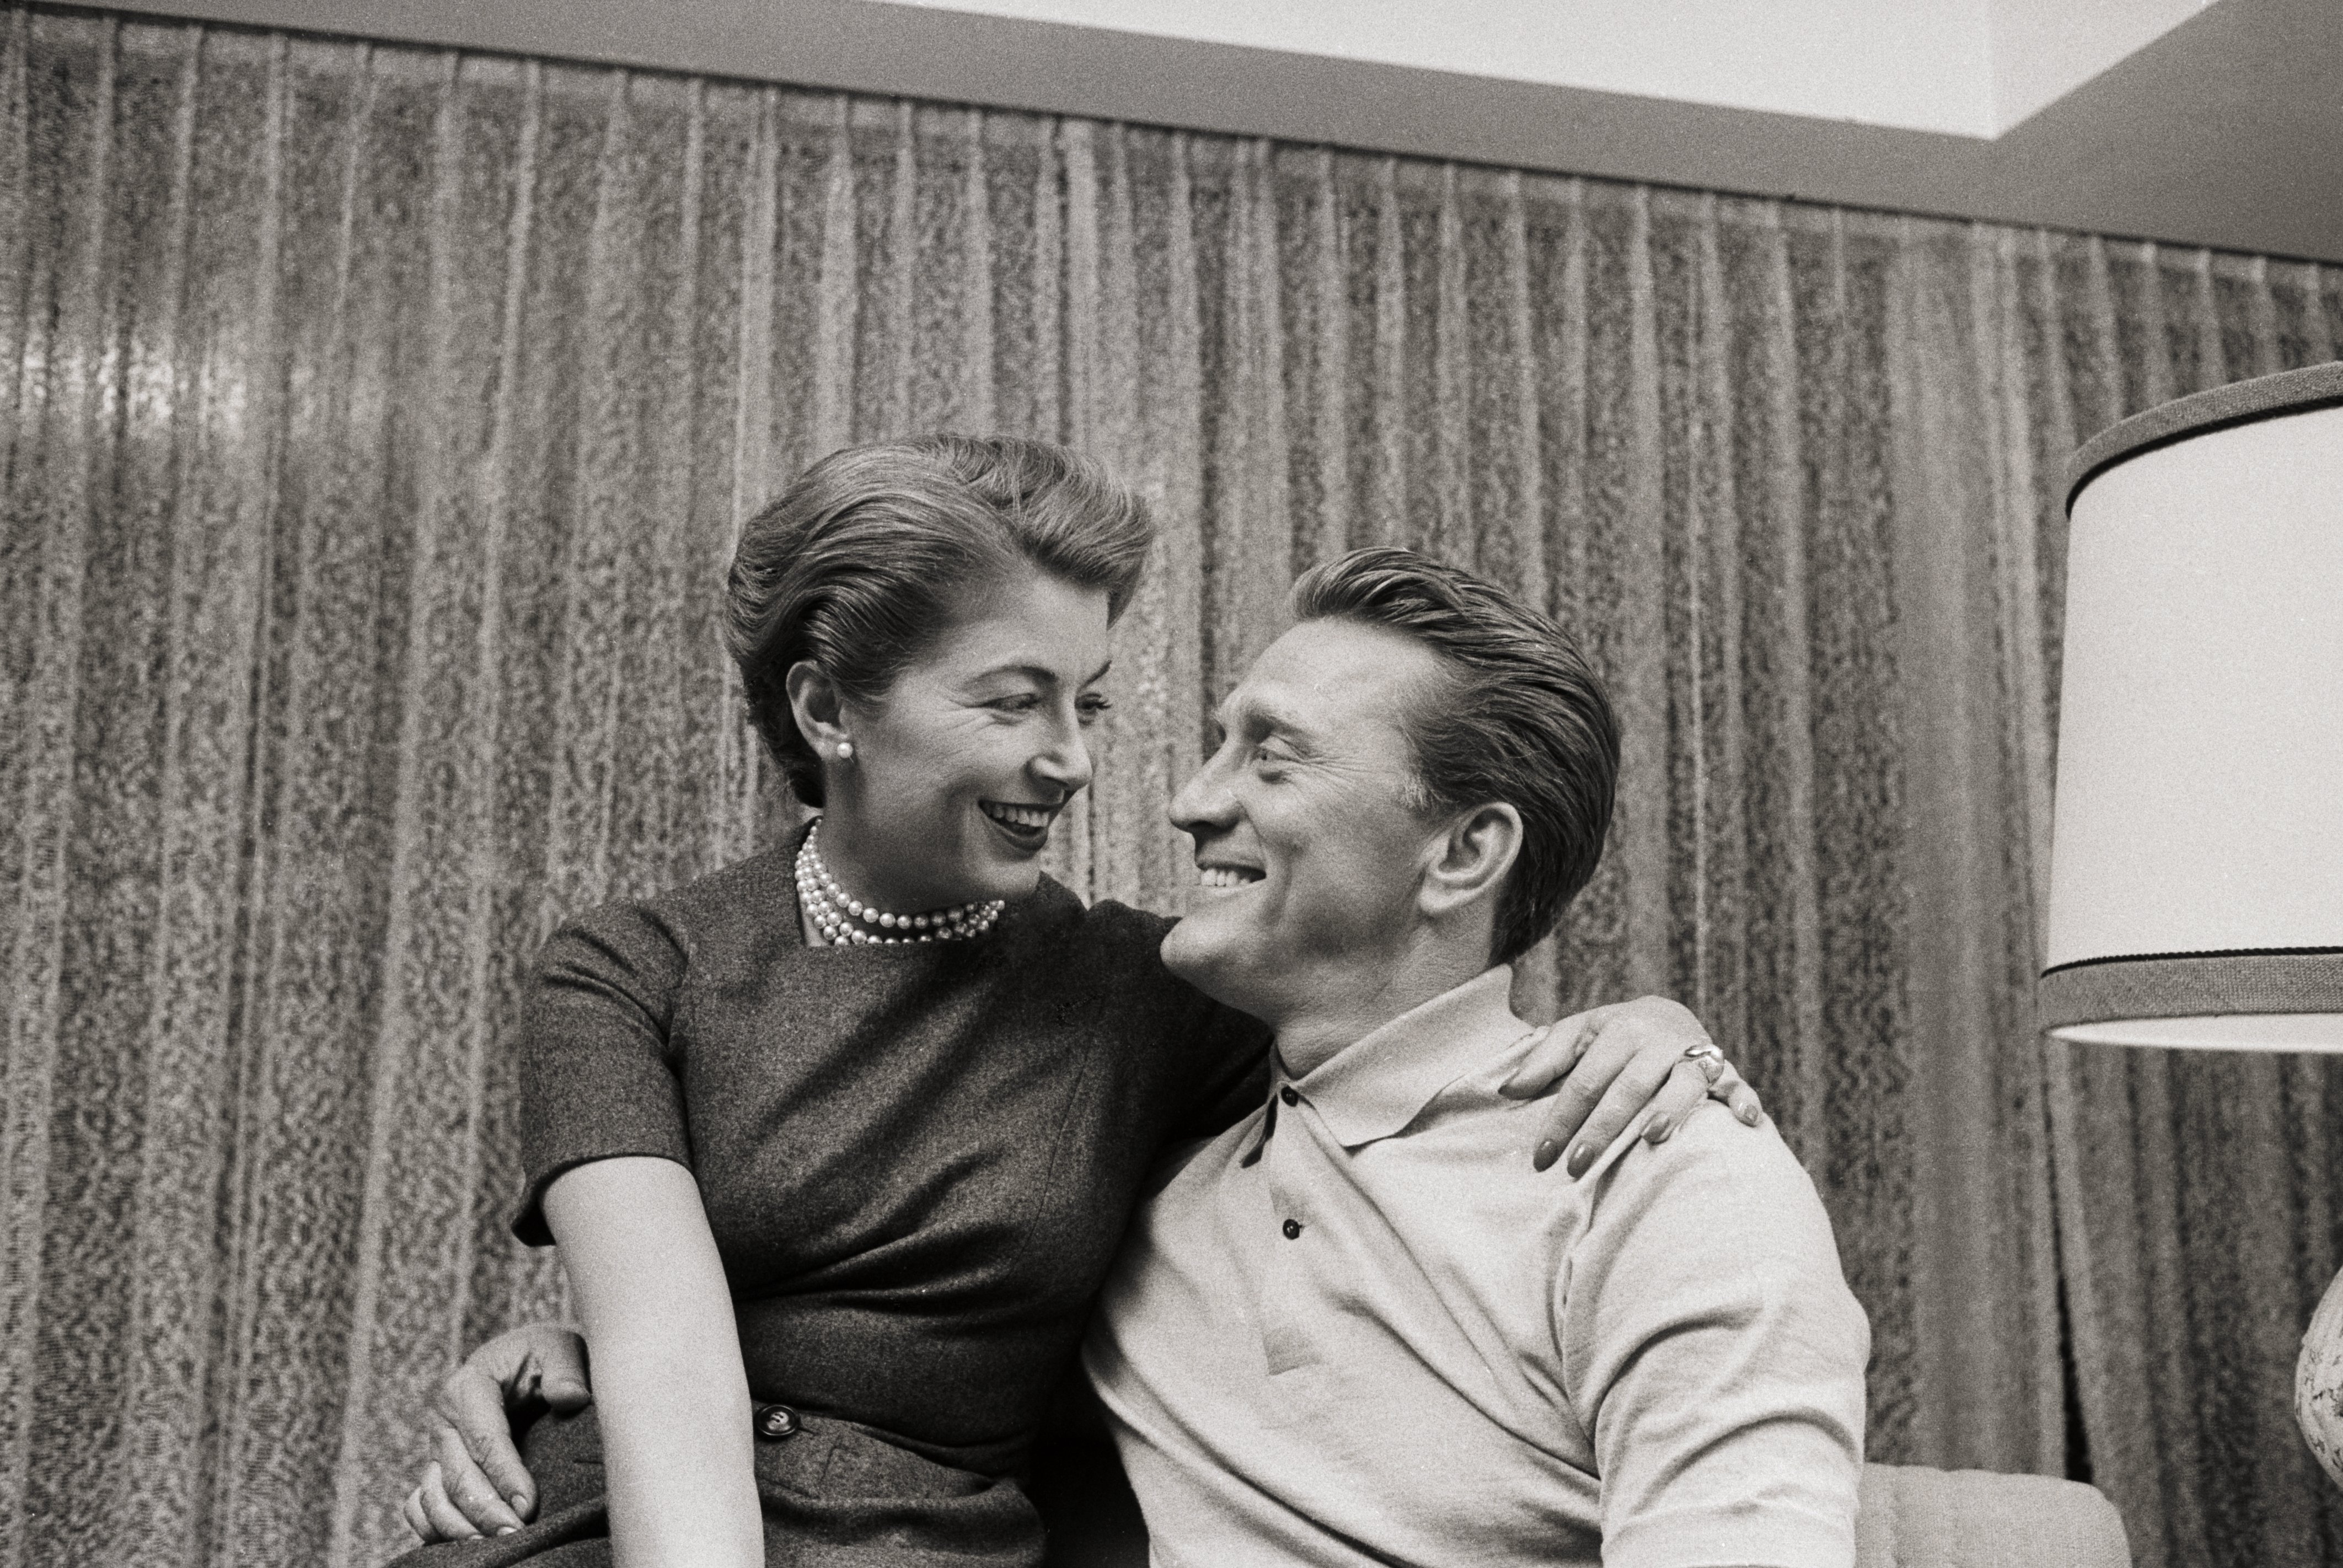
{"x": 669, "y": 1385}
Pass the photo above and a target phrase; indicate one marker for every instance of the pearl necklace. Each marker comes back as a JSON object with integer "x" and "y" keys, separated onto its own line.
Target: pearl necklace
{"x": 842, "y": 920}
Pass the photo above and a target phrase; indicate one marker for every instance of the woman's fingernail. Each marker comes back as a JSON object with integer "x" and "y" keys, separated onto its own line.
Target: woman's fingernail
{"x": 1580, "y": 1158}
{"x": 507, "y": 1529}
{"x": 1657, "y": 1132}
{"x": 519, "y": 1504}
{"x": 1545, "y": 1154}
{"x": 1749, "y": 1116}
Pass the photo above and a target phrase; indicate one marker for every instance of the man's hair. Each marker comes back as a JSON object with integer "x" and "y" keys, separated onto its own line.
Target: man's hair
{"x": 863, "y": 562}
{"x": 1517, "y": 717}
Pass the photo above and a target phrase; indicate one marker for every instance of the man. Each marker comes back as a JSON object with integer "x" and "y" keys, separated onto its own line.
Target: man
{"x": 1352, "y": 1329}
{"x": 1358, "y": 1327}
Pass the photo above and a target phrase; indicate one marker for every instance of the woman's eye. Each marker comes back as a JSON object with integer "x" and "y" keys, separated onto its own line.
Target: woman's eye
{"x": 1025, "y": 703}
{"x": 1092, "y": 708}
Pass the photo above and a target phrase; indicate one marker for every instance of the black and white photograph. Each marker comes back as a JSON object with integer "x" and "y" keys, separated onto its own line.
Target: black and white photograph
{"x": 1171, "y": 784}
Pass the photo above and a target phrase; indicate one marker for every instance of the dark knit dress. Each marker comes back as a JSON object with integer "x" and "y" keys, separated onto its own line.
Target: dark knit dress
{"x": 917, "y": 1161}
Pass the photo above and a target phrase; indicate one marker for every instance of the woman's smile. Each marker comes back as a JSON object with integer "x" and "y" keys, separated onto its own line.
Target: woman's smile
{"x": 1026, "y": 827}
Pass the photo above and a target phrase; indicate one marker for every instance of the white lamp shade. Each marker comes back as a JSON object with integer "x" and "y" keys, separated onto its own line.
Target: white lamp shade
{"x": 2197, "y": 859}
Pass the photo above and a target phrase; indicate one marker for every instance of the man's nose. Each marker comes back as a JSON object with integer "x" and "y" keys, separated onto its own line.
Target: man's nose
{"x": 1066, "y": 762}
{"x": 1204, "y": 802}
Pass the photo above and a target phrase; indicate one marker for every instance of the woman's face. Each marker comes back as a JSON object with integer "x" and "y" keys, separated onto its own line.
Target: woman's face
{"x": 959, "y": 772}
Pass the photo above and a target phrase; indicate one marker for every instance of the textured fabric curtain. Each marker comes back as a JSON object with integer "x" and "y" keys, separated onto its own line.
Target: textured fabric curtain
{"x": 376, "y": 425}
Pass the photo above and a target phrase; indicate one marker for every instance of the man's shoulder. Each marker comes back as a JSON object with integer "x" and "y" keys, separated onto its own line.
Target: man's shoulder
{"x": 1746, "y": 1178}
{"x": 1712, "y": 1139}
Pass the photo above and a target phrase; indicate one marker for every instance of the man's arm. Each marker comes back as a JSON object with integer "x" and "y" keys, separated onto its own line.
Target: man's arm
{"x": 476, "y": 1483}
{"x": 1723, "y": 1391}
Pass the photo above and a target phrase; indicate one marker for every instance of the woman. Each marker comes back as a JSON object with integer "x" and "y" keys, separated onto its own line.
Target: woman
{"x": 838, "y": 1142}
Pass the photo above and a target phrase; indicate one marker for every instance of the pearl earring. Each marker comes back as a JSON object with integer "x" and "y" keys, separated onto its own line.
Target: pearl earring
{"x": 845, "y": 750}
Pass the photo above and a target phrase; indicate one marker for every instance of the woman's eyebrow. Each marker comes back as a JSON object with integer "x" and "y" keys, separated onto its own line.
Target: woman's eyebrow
{"x": 1039, "y": 674}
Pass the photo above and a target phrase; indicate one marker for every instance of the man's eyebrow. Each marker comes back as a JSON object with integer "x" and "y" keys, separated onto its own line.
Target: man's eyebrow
{"x": 1283, "y": 720}
{"x": 1263, "y": 713}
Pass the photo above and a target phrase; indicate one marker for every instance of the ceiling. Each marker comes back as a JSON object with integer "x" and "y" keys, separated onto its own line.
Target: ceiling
{"x": 2191, "y": 121}
{"x": 1966, "y": 67}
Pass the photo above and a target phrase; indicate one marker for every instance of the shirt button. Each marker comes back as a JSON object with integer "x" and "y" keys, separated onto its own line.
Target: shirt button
{"x": 1287, "y": 1095}
{"x": 776, "y": 1421}
{"x": 1293, "y": 1229}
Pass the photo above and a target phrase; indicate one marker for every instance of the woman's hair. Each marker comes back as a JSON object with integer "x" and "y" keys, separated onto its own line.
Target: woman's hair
{"x": 863, "y": 562}
{"x": 1519, "y": 718}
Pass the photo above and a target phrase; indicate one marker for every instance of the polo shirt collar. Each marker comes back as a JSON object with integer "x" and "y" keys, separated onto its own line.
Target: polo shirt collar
{"x": 1378, "y": 1084}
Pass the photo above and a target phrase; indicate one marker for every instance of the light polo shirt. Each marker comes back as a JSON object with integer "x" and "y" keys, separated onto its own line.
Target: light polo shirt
{"x": 1358, "y": 1327}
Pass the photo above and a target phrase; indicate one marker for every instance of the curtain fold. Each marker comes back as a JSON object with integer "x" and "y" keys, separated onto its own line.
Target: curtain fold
{"x": 378, "y": 421}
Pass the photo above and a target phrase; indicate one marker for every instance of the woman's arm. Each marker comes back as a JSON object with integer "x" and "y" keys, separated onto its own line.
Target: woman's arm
{"x": 669, "y": 1385}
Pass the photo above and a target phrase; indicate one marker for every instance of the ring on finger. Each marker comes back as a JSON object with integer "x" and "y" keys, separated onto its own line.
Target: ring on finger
{"x": 1710, "y": 1059}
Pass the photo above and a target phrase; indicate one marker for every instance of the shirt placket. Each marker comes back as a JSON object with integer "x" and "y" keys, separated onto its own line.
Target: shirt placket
{"x": 1285, "y": 1157}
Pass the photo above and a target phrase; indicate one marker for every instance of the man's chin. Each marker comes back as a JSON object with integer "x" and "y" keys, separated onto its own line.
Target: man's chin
{"x": 1208, "y": 959}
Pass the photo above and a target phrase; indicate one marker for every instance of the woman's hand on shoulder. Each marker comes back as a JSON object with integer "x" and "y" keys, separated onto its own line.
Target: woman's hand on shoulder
{"x": 1609, "y": 1063}
{"x": 476, "y": 1483}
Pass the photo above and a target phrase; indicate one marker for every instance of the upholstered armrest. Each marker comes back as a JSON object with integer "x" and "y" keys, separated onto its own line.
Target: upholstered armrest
{"x": 1916, "y": 1518}
{"x": 1911, "y": 1517}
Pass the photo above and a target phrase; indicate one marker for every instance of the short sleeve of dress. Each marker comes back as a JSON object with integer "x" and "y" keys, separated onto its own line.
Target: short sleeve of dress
{"x": 597, "y": 1079}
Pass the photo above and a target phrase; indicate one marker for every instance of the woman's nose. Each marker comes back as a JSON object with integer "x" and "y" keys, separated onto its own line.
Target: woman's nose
{"x": 1067, "y": 762}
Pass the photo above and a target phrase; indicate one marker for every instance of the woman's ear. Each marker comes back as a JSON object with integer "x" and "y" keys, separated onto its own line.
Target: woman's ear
{"x": 819, "y": 708}
{"x": 1471, "y": 859}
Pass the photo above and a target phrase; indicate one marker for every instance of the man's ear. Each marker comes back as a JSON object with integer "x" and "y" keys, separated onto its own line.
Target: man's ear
{"x": 1471, "y": 857}
{"x": 818, "y": 706}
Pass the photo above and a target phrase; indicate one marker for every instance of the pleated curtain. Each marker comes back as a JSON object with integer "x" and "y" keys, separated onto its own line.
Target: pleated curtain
{"x": 376, "y": 425}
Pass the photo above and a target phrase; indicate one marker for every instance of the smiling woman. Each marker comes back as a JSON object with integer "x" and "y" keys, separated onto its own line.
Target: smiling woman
{"x": 922, "y": 627}
{"x": 839, "y": 1143}
{"x": 972, "y": 752}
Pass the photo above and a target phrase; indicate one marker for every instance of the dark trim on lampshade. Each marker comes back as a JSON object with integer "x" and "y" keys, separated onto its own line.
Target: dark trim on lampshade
{"x": 2238, "y": 403}
{"x": 2191, "y": 985}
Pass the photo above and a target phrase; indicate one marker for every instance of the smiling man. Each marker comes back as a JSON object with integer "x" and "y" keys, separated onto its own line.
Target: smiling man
{"x": 1350, "y": 1331}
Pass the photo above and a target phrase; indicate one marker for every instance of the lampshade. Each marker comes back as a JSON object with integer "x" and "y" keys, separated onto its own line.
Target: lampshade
{"x": 2197, "y": 856}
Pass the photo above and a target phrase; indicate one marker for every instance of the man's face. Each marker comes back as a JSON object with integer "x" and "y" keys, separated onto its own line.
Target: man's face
{"x": 1307, "y": 837}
